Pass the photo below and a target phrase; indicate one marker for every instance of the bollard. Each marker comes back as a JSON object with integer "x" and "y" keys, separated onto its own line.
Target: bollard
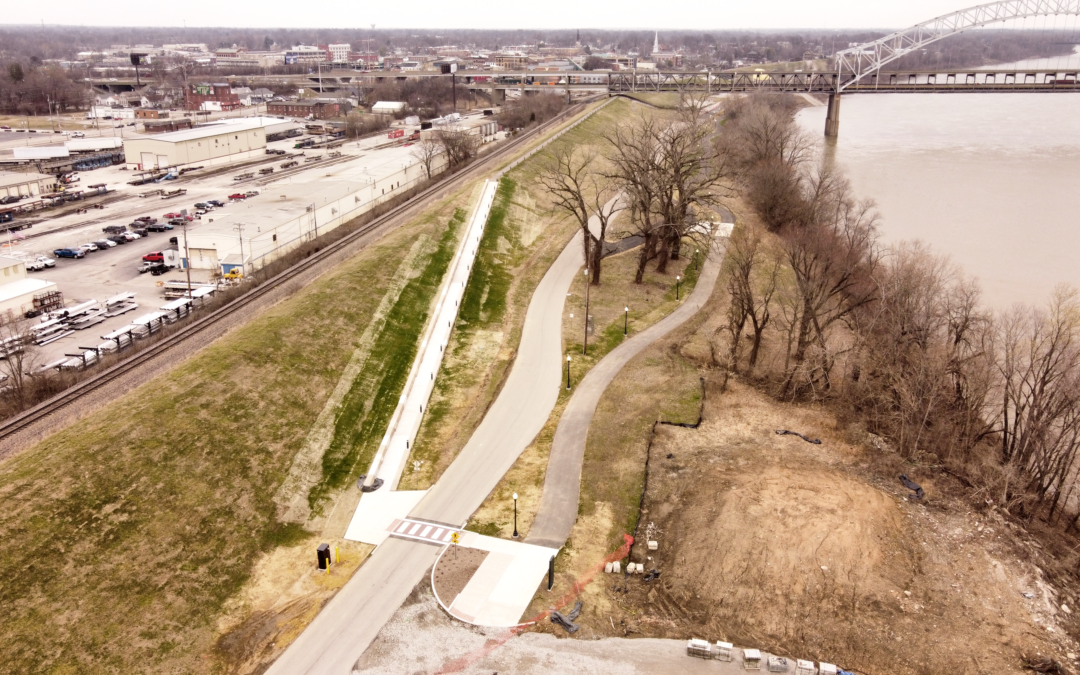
{"x": 551, "y": 572}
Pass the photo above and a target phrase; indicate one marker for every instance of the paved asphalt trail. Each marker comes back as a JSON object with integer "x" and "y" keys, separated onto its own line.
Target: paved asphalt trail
{"x": 351, "y": 620}
{"x": 562, "y": 484}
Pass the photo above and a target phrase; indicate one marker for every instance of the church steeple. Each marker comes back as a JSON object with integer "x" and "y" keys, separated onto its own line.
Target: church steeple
{"x": 656, "y": 42}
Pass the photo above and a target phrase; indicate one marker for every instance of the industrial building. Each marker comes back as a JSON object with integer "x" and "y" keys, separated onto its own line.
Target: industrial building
{"x": 26, "y": 184}
{"x": 209, "y": 145}
{"x": 317, "y": 110}
{"x": 17, "y": 291}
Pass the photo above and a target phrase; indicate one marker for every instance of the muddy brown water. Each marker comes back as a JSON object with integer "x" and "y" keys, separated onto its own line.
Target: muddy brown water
{"x": 992, "y": 180}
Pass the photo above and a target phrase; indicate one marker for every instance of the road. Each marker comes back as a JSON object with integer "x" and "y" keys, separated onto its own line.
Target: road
{"x": 562, "y": 482}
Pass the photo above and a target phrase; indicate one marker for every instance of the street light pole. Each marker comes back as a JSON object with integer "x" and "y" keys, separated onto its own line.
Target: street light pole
{"x": 585, "y": 342}
{"x": 678, "y": 282}
{"x": 625, "y": 320}
{"x": 568, "y": 372}
{"x": 515, "y": 516}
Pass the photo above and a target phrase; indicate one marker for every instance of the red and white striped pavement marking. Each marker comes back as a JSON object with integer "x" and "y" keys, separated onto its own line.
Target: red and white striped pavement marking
{"x": 418, "y": 530}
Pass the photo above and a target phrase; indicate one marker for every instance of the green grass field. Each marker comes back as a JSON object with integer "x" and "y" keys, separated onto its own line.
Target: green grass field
{"x": 122, "y": 536}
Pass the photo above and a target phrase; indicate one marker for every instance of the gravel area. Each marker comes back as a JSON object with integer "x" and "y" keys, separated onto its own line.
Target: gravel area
{"x": 421, "y": 638}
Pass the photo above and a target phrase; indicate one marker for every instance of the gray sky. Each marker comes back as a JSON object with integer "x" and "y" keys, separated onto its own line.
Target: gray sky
{"x": 681, "y": 14}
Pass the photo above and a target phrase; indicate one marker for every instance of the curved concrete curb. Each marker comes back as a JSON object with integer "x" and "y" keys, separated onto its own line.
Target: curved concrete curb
{"x": 562, "y": 483}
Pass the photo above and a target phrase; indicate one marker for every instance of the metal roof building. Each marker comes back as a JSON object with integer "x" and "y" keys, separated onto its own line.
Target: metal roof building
{"x": 208, "y": 145}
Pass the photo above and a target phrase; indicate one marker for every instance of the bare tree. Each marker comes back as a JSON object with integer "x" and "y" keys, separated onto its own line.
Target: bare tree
{"x": 753, "y": 272}
{"x": 459, "y": 145}
{"x": 19, "y": 355}
{"x": 570, "y": 177}
{"x": 425, "y": 152}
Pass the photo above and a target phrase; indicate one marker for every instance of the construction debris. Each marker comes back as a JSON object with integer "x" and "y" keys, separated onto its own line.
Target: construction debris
{"x": 785, "y": 432}
{"x": 912, "y": 485}
{"x": 567, "y": 620}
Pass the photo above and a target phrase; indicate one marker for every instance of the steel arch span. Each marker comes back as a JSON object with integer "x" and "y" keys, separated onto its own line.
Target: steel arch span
{"x": 858, "y": 62}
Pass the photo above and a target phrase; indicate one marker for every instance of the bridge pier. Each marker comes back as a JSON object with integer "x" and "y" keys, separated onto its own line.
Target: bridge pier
{"x": 498, "y": 96}
{"x": 832, "y": 117}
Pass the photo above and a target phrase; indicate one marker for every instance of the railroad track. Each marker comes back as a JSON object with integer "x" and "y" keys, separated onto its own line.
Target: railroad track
{"x": 27, "y": 419}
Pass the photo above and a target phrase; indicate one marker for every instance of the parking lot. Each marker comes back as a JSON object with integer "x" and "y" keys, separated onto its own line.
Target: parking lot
{"x": 105, "y": 273}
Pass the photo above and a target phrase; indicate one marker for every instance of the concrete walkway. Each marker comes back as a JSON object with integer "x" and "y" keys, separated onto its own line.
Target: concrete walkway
{"x": 345, "y": 627}
{"x": 502, "y": 587}
{"x": 389, "y": 460}
{"x": 562, "y": 483}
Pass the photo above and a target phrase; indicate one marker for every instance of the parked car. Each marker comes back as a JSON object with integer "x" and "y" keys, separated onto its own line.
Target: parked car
{"x": 158, "y": 227}
{"x": 118, "y": 239}
{"x": 201, "y": 205}
{"x": 10, "y": 199}
{"x": 166, "y": 226}
{"x": 144, "y": 267}
{"x": 214, "y": 202}
{"x": 141, "y": 231}
{"x": 170, "y": 216}
{"x": 130, "y": 236}
{"x": 238, "y": 196}
{"x": 154, "y": 256}
{"x": 200, "y": 212}
{"x": 252, "y": 193}
{"x": 174, "y": 240}
{"x": 69, "y": 253}
{"x": 104, "y": 243}
{"x": 34, "y": 266}
{"x": 78, "y": 134}
{"x": 89, "y": 248}
{"x": 46, "y": 261}
{"x": 114, "y": 229}
{"x": 146, "y": 219}
{"x": 157, "y": 269}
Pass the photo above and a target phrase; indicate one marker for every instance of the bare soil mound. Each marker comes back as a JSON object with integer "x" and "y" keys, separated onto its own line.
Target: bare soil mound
{"x": 768, "y": 541}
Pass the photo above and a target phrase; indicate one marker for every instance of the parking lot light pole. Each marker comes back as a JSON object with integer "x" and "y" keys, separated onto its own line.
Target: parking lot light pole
{"x": 625, "y": 319}
{"x": 515, "y": 516}
{"x": 567, "y": 372}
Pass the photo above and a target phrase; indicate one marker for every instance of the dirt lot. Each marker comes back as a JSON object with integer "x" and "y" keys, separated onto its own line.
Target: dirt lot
{"x": 817, "y": 551}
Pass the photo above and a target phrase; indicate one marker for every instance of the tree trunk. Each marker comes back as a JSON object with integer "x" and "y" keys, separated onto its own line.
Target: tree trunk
{"x": 644, "y": 257}
{"x": 597, "y": 256}
{"x": 664, "y": 256}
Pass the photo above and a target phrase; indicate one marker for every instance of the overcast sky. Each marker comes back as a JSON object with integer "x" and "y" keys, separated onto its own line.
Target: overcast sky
{"x": 429, "y": 14}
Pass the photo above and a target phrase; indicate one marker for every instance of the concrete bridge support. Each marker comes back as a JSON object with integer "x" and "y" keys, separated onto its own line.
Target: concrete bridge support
{"x": 832, "y": 117}
{"x": 498, "y": 96}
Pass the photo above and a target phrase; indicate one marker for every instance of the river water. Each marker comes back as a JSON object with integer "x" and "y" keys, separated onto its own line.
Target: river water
{"x": 991, "y": 180}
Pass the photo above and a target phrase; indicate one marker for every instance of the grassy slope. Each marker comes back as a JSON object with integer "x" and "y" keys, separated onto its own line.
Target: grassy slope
{"x": 122, "y": 537}
{"x": 522, "y": 238}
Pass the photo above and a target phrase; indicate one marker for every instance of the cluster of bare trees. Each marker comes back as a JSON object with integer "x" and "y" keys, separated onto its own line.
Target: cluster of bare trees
{"x": 895, "y": 333}
{"x": 665, "y": 171}
{"x": 35, "y": 89}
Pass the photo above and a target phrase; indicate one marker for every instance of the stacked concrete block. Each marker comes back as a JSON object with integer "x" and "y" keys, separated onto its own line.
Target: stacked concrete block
{"x": 826, "y": 668}
{"x": 751, "y": 659}
{"x": 805, "y": 668}
{"x": 722, "y": 652}
{"x": 777, "y": 664}
{"x": 699, "y": 648}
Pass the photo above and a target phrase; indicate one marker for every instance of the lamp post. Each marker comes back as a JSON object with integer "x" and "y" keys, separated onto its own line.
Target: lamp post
{"x": 695, "y": 258}
{"x": 567, "y": 372}
{"x": 625, "y": 319}
{"x": 515, "y": 516}
{"x": 585, "y": 342}
{"x": 678, "y": 281}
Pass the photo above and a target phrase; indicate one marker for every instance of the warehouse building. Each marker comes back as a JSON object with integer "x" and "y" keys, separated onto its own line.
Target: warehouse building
{"x": 26, "y": 184}
{"x": 316, "y": 110}
{"x": 17, "y": 291}
{"x": 209, "y": 145}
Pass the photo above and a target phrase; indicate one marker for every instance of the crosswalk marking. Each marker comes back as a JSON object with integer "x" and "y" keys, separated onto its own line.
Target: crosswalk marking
{"x": 420, "y": 531}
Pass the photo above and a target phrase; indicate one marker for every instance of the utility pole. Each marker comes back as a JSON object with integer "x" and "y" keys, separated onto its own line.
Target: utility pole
{"x": 187, "y": 253}
{"x": 239, "y": 227}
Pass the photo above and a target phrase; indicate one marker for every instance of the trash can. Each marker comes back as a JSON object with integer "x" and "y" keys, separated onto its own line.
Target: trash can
{"x": 324, "y": 556}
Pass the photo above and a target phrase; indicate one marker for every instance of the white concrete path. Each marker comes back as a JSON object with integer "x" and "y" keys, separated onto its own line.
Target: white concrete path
{"x": 502, "y": 587}
{"x": 378, "y": 511}
{"x": 396, "y": 444}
